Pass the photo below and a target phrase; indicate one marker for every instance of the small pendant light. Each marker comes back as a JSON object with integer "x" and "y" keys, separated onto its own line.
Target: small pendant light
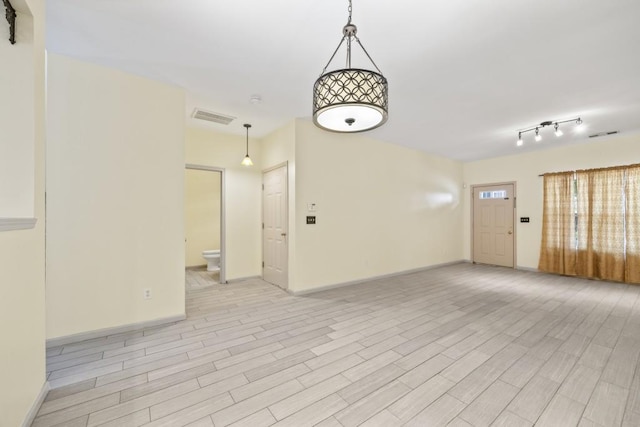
{"x": 247, "y": 160}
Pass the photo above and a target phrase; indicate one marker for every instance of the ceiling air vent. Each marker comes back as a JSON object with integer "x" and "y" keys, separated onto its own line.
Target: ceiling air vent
{"x": 595, "y": 135}
{"x": 211, "y": 116}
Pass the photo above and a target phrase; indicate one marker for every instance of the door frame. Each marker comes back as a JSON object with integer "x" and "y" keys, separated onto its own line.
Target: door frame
{"x": 515, "y": 224}
{"x": 223, "y": 210}
{"x": 284, "y": 164}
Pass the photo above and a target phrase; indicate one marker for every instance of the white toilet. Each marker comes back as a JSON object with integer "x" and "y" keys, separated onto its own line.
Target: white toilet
{"x": 213, "y": 259}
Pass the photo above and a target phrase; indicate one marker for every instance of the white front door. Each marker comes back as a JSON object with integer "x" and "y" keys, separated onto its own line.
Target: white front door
{"x": 274, "y": 233}
{"x": 493, "y": 231}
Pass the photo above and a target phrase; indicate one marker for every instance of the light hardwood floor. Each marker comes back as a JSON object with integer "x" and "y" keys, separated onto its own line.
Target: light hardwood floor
{"x": 462, "y": 345}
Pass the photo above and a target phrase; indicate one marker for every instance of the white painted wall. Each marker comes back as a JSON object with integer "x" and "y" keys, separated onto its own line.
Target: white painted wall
{"x": 381, "y": 208}
{"x": 115, "y": 198}
{"x": 242, "y": 195}
{"x": 525, "y": 168}
{"x": 22, "y": 289}
{"x": 202, "y": 214}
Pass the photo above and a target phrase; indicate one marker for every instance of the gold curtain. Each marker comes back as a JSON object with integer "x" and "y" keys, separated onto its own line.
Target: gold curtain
{"x": 601, "y": 223}
{"x": 557, "y": 250}
{"x": 632, "y": 269}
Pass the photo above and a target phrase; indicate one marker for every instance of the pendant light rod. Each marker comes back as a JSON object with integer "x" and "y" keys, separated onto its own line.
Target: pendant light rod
{"x": 349, "y": 32}
{"x": 247, "y": 126}
{"x": 247, "y": 160}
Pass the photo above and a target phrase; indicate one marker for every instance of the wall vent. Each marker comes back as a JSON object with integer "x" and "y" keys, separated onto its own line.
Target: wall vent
{"x": 210, "y": 116}
{"x": 595, "y": 135}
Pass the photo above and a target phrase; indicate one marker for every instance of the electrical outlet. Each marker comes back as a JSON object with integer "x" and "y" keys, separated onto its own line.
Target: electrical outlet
{"x": 147, "y": 293}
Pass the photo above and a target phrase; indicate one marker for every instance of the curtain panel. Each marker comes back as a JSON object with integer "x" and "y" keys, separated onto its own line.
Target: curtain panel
{"x": 601, "y": 224}
{"x": 632, "y": 225}
{"x": 591, "y": 224}
{"x": 558, "y": 253}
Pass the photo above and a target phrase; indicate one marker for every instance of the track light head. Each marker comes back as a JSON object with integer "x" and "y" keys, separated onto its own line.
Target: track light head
{"x": 538, "y": 138}
{"x": 557, "y": 131}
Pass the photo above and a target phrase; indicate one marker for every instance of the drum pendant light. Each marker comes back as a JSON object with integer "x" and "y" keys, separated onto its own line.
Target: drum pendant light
{"x": 350, "y": 99}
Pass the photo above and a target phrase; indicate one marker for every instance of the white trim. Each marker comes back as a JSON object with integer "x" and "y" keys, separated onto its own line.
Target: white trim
{"x": 278, "y": 166}
{"x": 242, "y": 279}
{"x": 384, "y": 276}
{"x": 99, "y": 333}
{"x": 535, "y": 270}
{"x": 9, "y": 224}
{"x": 37, "y": 403}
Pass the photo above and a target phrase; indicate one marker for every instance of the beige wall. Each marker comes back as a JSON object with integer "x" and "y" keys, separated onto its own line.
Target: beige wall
{"x": 242, "y": 195}
{"x": 381, "y": 208}
{"x": 17, "y": 121}
{"x": 115, "y": 197}
{"x": 202, "y": 214}
{"x": 524, "y": 170}
{"x": 22, "y": 289}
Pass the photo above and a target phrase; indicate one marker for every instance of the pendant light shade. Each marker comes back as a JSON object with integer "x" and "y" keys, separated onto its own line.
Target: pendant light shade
{"x": 247, "y": 160}
{"x": 350, "y": 99}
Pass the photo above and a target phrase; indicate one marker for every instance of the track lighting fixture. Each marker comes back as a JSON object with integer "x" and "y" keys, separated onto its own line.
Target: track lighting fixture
{"x": 247, "y": 160}
{"x": 556, "y": 126}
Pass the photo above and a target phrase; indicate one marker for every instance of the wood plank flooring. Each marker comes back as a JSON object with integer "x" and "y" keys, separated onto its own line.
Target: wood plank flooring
{"x": 462, "y": 345}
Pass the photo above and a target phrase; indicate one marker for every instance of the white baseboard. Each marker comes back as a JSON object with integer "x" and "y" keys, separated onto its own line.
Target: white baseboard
{"x": 383, "y": 276}
{"x": 196, "y": 267}
{"x": 517, "y": 267}
{"x": 520, "y": 267}
{"x": 9, "y": 224}
{"x": 99, "y": 333}
{"x": 37, "y": 403}
{"x": 242, "y": 279}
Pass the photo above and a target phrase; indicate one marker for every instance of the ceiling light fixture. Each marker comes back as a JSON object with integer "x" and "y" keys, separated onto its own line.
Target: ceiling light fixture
{"x": 247, "y": 160}
{"x": 350, "y": 99}
{"x": 557, "y": 131}
{"x": 556, "y": 126}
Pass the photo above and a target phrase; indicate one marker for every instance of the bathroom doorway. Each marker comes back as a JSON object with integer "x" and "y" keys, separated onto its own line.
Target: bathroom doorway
{"x": 204, "y": 226}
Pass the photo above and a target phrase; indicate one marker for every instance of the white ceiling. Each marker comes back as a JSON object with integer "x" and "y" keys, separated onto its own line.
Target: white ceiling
{"x": 464, "y": 76}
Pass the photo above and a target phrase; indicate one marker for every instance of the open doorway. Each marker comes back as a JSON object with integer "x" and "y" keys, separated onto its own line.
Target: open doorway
{"x": 204, "y": 226}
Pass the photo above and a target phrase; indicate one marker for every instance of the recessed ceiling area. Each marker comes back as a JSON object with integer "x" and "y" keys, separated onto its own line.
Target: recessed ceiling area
{"x": 463, "y": 76}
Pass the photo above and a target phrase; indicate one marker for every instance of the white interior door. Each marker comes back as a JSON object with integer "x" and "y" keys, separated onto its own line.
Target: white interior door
{"x": 493, "y": 231}
{"x": 274, "y": 233}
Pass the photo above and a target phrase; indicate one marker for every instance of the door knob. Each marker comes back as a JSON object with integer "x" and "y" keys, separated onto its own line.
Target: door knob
{"x": 283, "y": 234}
{"x": 510, "y": 232}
